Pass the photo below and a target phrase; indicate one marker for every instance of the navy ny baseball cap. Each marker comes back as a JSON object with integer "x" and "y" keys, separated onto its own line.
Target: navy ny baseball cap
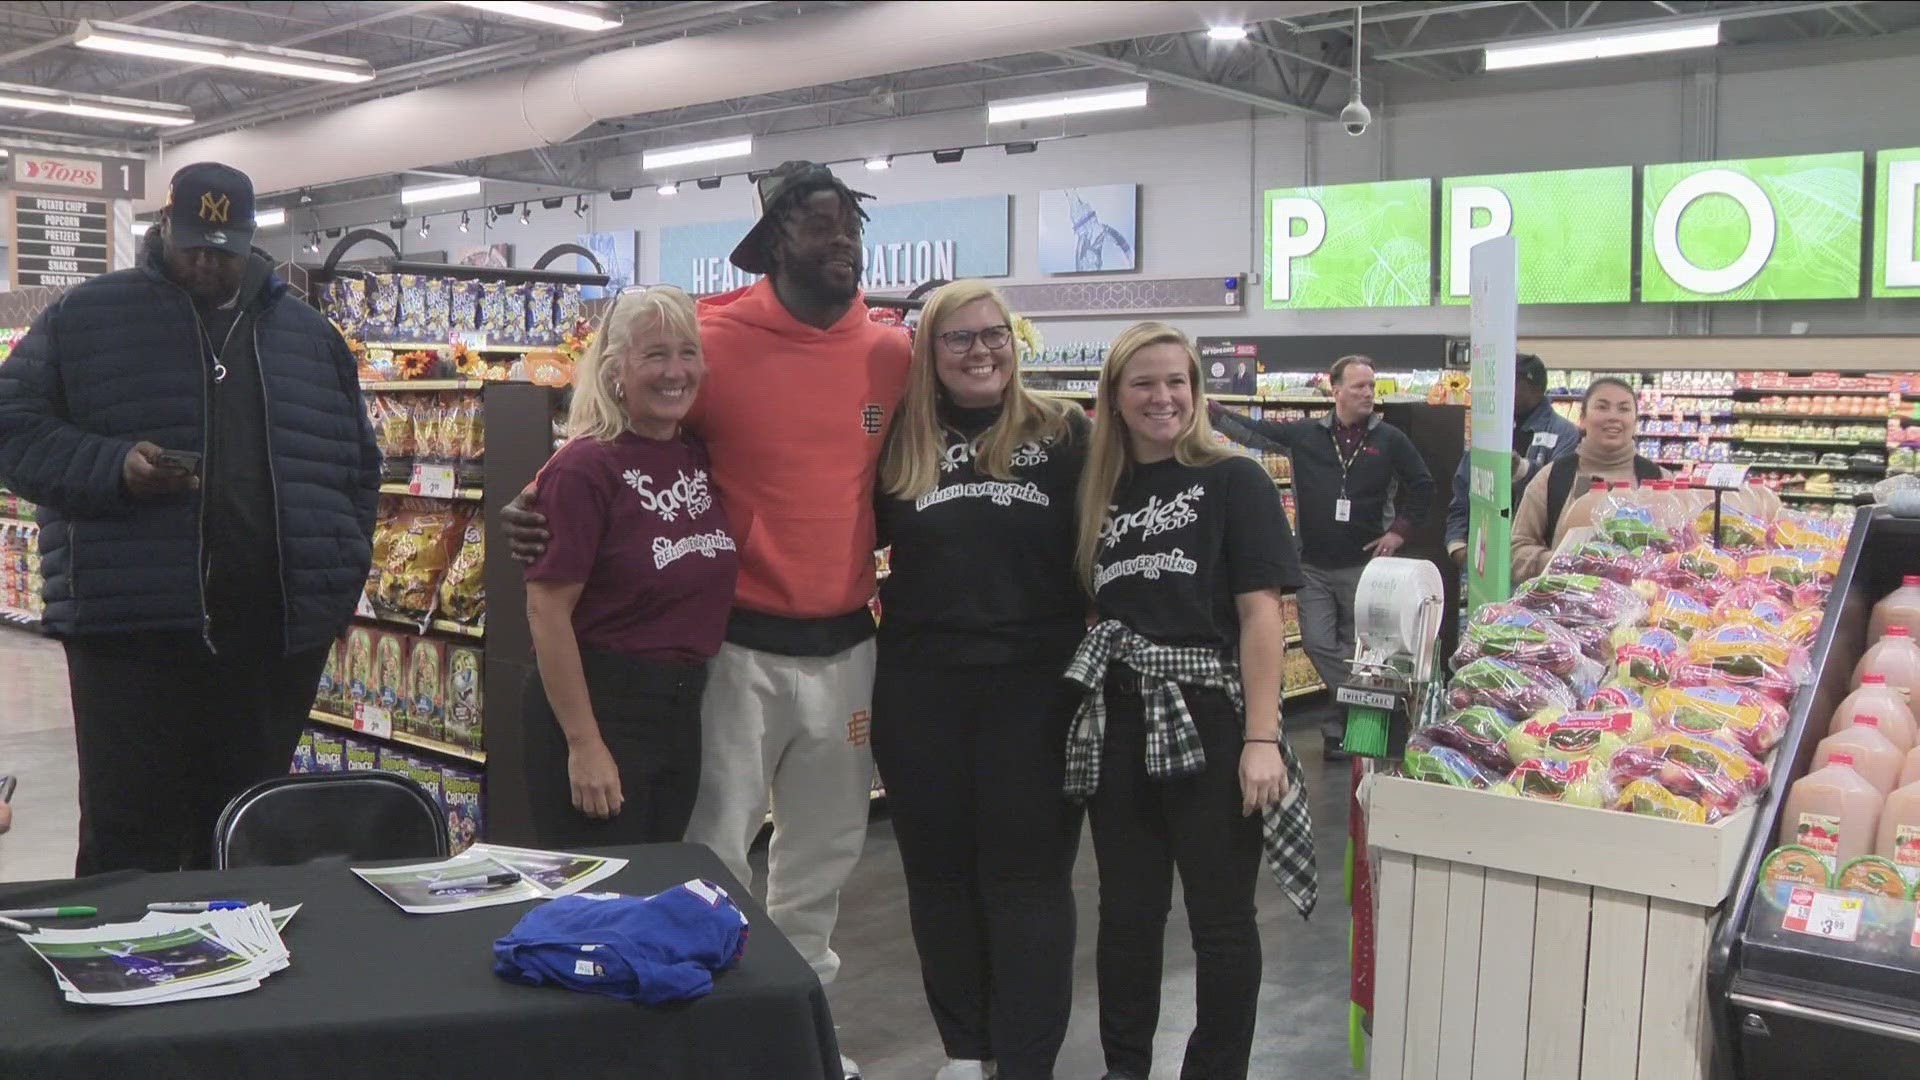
{"x": 211, "y": 205}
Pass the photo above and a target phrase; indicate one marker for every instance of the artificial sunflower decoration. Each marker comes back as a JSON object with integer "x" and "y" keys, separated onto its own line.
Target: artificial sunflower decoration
{"x": 414, "y": 365}
{"x": 575, "y": 343}
{"x": 1028, "y": 335}
{"x": 467, "y": 363}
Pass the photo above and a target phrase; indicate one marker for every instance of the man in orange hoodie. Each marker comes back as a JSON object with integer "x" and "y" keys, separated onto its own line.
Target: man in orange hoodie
{"x": 799, "y": 390}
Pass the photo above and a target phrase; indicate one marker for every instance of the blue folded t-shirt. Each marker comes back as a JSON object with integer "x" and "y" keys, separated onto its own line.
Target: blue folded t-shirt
{"x": 652, "y": 949}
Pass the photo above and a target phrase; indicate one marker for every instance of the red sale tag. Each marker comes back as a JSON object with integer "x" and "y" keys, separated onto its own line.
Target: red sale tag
{"x": 433, "y": 481}
{"x": 1823, "y": 914}
{"x": 1799, "y": 906}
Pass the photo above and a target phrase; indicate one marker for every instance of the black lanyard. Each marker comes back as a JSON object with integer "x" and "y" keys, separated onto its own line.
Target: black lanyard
{"x": 1346, "y": 463}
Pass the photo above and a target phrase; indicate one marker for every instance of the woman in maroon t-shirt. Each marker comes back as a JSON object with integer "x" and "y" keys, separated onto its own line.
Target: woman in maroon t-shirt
{"x": 630, "y": 599}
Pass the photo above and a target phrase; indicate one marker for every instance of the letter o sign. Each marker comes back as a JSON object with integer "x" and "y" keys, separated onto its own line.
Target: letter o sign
{"x": 1760, "y": 232}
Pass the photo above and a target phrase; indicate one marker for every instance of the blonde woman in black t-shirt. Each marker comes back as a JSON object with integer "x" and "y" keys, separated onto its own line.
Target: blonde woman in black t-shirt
{"x": 1176, "y": 746}
{"x": 978, "y": 619}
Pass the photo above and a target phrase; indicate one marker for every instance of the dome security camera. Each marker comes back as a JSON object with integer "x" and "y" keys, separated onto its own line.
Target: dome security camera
{"x": 1356, "y": 116}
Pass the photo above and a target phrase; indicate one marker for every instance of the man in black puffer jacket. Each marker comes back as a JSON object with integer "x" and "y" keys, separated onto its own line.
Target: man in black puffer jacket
{"x": 207, "y": 479}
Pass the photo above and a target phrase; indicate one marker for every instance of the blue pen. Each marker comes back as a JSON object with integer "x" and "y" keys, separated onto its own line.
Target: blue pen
{"x": 199, "y": 906}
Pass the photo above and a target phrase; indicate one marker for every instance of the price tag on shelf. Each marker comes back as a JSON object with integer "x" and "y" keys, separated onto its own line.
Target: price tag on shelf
{"x": 364, "y": 608}
{"x": 472, "y": 339}
{"x": 1727, "y": 476}
{"x": 373, "y": 720}
{"x": 1822, "y": 914}
{"x": 433, "y": 481}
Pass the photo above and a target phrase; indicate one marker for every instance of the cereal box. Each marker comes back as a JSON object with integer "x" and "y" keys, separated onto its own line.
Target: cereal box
{"x": 460, "y": 791}
{"x": 358, "y": 669}
{"x": 427, "y": 775}
{"x": 303, "y": 754}
{"x": 327, "y": 698}
{"x": 395, "y": 760}
{"x": 329, "y": 752}
{"x": 426, "y": 701}
{"x": 390, "y": 676}
{"x": 361, "y": 755}
{"x": 465, "y": 700}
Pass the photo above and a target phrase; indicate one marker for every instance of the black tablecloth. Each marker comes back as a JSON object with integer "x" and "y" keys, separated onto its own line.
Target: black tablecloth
{"x": 375, "y": 992}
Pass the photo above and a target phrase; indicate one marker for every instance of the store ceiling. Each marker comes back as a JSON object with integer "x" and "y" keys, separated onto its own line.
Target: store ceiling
{"x": 1296, "y": 63}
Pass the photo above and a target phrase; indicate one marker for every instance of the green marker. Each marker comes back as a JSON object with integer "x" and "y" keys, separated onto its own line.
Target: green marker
{"x": 51, "y": 913}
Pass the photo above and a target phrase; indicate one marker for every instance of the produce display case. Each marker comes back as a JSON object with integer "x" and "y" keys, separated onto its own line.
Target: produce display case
{"x": 1792, "y": 997}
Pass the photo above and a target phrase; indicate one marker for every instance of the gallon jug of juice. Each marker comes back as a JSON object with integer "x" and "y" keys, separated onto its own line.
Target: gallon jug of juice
{"x": 1897, "y": 657}
{"x": 1833, "y": 812}
{"x": 1901, "y": 607}
{"x": 1865, "y": 750}
{"x": 1910, "y": 771}
{"x": 1876, "y": 698}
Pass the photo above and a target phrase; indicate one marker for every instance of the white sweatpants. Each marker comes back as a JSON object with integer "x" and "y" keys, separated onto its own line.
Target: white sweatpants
{"x": 789, "y": 733}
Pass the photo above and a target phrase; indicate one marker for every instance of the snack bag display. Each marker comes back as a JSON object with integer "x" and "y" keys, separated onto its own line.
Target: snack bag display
{"x": 1522, "y": 636}
{"x": 566, "y": 309}
{"x": 1646, "y": 658}
{"x": 463, "y": 593}
{"x": 464, "y": 698}
{"x": 1595, "y": 557}
{"x": 383, "y": 307}
{"x": 426, "y": 689}
{"x": 1581, "y": 600}
{"x": 1436, "y": 764}
{"x": 412, "y": 325}
{"x": 1515, "y": 689}
{"x": 1649, "y": 798}
{"x": 513, "y": 314}
{"x": 361, "y": 686}
{"x": 438, "y": 323}
{"x": 1575, "y": 782}
{"x": 493, "y": 311}
{"x": 1479, "y": 732}
{"x": 390, "y": 676}
{"x": 420, "y": 539}
{"x": 1730, "y": 714}
{"x": 540, "y": 324}
{"x": 1576, "y": 736}
{"x": 463, "y": 306}
{"x": 1718, "y": 775}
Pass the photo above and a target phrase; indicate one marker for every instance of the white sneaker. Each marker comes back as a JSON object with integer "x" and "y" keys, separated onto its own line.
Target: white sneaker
{"x": 965, "y": 1070}
{"x": 848, "y": 1069}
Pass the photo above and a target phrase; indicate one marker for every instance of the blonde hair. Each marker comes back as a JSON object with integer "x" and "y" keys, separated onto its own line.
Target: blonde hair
{"x": 597, "y": 412}
{"x": 910, "y": 463}
{"x": 1110, "y": 456}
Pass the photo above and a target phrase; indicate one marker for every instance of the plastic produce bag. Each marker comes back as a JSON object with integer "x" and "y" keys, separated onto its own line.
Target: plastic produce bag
{"x": 1596, "y": 557}
{"x": 1576, "y": 736}
{"x": 1647, "y": 657}
{"x": 1796, "y": 530}
{"x": 1479, "y": 732}
{"x": 1746, "y": 656}
{"x": 1438, "y": 764}
{"x": 1522, "y": 636}
{"x": 1700, "y": 572}
{"x": 1515, "y": 689}
{"x": 1575, "y": 782}
{"x": 1581, "y": 600}
{"x": 1806, "y": 574}
{"x": 1746, "y": 717}
{"x": 1616, "y": 694}
{"x": 1643, "y": 522}
{"x": 1647, "y": 797}
{"x": 1718, "y": 775}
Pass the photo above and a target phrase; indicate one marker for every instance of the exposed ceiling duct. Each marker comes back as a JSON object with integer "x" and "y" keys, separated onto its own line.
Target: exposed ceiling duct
{"x": 550, "y": 104}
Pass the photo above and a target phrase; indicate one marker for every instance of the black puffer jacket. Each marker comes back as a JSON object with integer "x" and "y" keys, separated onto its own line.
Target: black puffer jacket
{"x": 115, "y": 361}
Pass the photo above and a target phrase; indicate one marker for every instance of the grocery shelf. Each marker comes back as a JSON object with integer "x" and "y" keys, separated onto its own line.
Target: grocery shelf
{"x": 417, "y": 346}
{"x": 460, "y": 494}
{"x": 1036, "y": 369}
{"x": 1834, "y": 418}
{"x": 1822, "y": 496}
{"x": 395, "y": 385}
{"x": 1805, "y": 391}
{"x": 444, "y": 626}
{"x": 1877, "y": 470}
{"x": 1293, "y": 638}
{"x": 1812, "y": 442}
{"x": 1074, "y": 394}
{"x": 1662, "y": 391}
{"x": 19, "y": 521}
{"x": 479, "y": 757}
{"x": 16, "y": 617}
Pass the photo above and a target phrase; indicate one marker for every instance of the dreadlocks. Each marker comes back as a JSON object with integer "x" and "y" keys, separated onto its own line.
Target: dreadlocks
{"x": 794, "y": 196}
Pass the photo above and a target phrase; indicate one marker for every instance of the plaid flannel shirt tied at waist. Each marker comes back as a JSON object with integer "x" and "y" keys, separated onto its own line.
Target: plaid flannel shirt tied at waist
{"x": 1173, "y": 739}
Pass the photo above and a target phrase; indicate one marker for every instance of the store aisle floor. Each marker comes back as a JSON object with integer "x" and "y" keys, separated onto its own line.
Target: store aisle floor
{"x": 877, "y": 1001}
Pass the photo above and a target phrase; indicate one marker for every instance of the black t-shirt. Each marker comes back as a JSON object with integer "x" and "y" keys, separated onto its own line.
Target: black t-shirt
{"x": 1183, "y": 541}
{"x": 982, "y": 569}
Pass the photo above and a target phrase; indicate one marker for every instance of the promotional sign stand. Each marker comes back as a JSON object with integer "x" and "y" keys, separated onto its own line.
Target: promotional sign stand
{"x": 1494, "y": 325}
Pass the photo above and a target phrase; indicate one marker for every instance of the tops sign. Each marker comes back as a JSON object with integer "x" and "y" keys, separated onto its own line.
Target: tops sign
{"x": 33, "y": 170}
{"x": 1785, "y": 228}
{"x": 904, "y": 245}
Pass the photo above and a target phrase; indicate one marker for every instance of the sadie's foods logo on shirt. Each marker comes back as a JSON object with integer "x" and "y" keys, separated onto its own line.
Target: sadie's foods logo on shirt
{"x": 1026, "y": 457}
{"x": 688, "y": 493}
{"x": 1154, "y": 518}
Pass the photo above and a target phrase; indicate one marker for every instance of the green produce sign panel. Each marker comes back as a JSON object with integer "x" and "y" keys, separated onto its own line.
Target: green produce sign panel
{"x": 1896, "y": 242}
{"x": 1574, "y": 228}
{"x": 1350, "y": 246}
{"x": 1784, "y": 228}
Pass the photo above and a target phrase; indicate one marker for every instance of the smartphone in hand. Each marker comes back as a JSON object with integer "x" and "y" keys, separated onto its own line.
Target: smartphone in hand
{"x": 7, "y": 784}
{"x": 187, "y": 461}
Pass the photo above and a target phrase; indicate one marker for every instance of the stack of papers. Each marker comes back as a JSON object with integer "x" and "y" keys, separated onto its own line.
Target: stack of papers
{"x": 166, "y": 957}
{"x": 486, "y": 875}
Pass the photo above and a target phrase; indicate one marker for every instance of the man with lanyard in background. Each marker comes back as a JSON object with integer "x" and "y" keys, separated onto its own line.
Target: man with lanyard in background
{"x": 1349, "y": 468}
{"x": 1540, "y": 438}
{"x": 787, "y": 706}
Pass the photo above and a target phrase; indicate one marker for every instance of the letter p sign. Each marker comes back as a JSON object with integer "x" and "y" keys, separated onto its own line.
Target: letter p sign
{"x": 1468, "y": 203}
{"x": 1299, "y": 228}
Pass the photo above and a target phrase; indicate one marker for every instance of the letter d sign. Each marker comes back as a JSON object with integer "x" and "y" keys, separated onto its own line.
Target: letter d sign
{"x": 1287, "y": 246}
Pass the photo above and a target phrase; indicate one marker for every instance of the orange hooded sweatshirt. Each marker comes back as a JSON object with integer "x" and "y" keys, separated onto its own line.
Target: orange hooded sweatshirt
{"x": 793, "y": 418}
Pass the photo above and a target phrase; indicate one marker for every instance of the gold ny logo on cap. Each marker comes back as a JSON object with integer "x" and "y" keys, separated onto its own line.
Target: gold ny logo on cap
{"x": 213, "y": 207}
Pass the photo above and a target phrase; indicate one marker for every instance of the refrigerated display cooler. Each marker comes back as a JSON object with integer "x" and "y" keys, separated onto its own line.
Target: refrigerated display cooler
{"x": 1805, "y": 981}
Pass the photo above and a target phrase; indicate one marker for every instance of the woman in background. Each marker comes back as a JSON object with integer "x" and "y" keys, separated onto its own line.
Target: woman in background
{"x": 1560, "y": 499}
{"x": 1177, "y": 744}
{"x": 631, "y": 597}
{"x": 979, "y": 617}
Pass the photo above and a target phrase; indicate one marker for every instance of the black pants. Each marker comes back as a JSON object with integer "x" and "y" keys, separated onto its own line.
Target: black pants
{"x": 1142, "y": 829}
{"x": 167, "y": 734}
{"x": 649, "y": 714}
{"x": 973, "y": 759}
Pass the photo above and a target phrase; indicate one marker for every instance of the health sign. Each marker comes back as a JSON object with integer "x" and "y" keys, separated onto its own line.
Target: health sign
{"x": 1896, "y": 243}
{"x": 1785, "y": 228}
{"x": 1350, "y": 245}
{"x": 1574, "y": 229}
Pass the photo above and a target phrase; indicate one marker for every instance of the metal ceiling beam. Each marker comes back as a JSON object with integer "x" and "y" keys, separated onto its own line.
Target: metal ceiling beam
{"x": 297, "y": 39}
{"x": 1383, "y": 13}
{"x": 1752, "y": 11}
{"x": 37, "y": 48}
{"x": 1188, "y": 82}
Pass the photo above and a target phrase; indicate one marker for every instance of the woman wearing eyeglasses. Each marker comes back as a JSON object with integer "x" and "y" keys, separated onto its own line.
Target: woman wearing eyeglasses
{"x": 630, "y": 598}
{"x": 978, "y": 619}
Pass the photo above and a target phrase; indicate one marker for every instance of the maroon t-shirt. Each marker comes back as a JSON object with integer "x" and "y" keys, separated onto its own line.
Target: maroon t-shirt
{"x": 637, "y": 521}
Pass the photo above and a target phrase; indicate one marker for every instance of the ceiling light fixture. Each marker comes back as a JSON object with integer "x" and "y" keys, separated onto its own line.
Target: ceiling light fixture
{"x": 431, "y": 192}
{"x": 396, "y": 224}
{"x": 687, "y": 155}
{"x": 268, "y": 219}
{"x": 94, "y": 106}
{"x": 313, "y": 242}
{"x": 219, "y": 52}
{"x": 466, "y": 221}
{"x": 620, "y": 194}
{"x": 667, "y": 189}
{"x": 1105, "y": 99}
{"x": 708, "y": 183}
{"x": 525, "y": 214}
{"x": 1603, "y": 46}
{"x": 880, "y": 164}
{"x": 335, "y": 233}
{"x": 1226, "y": 33}
{"x": 552, "y": 204}
{"x": 1021, "y": 147}
{"x": 756, "y": 177}
{"x": 571, "y": 16}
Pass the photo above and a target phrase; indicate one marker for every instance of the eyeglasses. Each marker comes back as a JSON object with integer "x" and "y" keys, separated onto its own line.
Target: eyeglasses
{"x": 960, "y": 342}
